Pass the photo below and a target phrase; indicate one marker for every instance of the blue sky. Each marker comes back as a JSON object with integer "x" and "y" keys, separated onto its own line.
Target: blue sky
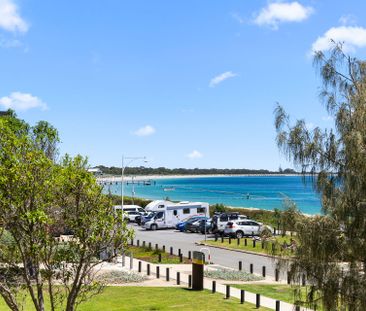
{"x": 184, "y": 83}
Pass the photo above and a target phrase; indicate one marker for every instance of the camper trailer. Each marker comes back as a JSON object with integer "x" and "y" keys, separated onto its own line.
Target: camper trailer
{"x": 168, "y": 214}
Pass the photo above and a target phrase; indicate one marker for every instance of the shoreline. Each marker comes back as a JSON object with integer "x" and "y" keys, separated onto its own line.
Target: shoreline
{"x": 160, "y": 177}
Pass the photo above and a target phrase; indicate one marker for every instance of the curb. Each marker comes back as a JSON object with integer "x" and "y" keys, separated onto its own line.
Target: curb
{"x": 241, "y": 251}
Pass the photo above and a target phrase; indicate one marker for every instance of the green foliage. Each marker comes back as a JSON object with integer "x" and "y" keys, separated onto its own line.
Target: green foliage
{"x": 331, "y": 251}
{"x": 219, "y": 207}
{"x": 39, "y": 201}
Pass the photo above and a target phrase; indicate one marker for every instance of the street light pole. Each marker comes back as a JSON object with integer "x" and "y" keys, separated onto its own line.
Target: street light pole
{"x": 123, "y": 173}
{"x": 122, "y": 182}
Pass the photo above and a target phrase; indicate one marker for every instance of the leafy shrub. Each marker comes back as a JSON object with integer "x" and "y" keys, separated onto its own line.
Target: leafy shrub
{"x": 119, "y": 277}
{"x": 231, "y": 275}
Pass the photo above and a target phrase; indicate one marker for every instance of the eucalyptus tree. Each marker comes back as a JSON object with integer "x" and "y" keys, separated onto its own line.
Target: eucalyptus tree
{"x": 39, "y": 200}
{"x": 331, "y": 250}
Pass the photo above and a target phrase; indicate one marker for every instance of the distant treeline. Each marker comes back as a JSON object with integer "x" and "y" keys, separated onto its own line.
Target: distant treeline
{"x": 186, "y": 171}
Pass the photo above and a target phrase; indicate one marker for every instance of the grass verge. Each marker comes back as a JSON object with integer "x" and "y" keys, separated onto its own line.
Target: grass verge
{"x": 156, "y": 298}
{"x": 259, "y": 247}
{"x": 284, "y": 293}
{"x": 152, "y": 255}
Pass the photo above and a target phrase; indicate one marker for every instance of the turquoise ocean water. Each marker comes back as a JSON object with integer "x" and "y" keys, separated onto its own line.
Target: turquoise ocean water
{"x": 264, "y": 192}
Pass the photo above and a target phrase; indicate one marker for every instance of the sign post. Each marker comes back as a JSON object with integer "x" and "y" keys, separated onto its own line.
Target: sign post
{"x": 198, "y": 264}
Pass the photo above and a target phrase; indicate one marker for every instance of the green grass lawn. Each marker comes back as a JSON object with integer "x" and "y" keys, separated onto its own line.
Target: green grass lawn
{"x": 279, "y": 292}
{"x": 157, "y": 298}
{"x": 152, "y": 255}
{"x": 249, "y": 247}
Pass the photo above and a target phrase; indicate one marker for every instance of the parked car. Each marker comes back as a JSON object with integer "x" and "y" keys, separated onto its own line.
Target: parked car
{"x": 194, "y": 224}
{"x": 181, "y": 226}
{"x": 240, "y": 228}
{"x": 208, "y": 224}
{"x": 131, "y": 215}
{"x": 219, "y": 221}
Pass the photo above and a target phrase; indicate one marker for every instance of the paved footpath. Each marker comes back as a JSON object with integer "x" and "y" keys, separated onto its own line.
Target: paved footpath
{"x": 185, "y": 271}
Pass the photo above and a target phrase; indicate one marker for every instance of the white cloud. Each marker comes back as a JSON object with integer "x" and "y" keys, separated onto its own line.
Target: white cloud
{"x": 10, "y": 19}
{"x": 195, "y": 155}
{"x": 281, "y": 12}
{"x": 222, "y": 77}
{"x": 146, "y": 130}
{"x": 351, "y": 37}
{"x": 22, "y": 101}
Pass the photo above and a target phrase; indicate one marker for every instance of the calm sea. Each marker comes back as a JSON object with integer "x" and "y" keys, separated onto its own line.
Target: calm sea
{"x": 264, "y": 192}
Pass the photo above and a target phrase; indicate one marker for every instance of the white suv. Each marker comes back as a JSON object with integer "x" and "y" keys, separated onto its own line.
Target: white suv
{"x": 220, "y": 221}
{"x": 240, "y": 228}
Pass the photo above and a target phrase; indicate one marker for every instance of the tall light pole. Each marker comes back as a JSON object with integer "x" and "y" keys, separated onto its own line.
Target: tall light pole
{"x": 130, "y": 159}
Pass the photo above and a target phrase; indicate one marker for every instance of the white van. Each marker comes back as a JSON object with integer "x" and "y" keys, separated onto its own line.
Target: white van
{"x": 168, "y": 214}
{"x": 129, "y": 208}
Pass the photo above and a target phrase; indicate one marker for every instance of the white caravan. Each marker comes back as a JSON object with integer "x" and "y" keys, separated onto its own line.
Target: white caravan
{"x": 168, "y": 214}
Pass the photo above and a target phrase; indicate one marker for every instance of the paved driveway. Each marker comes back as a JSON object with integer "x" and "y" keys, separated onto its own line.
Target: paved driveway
{"x": 186, "y": 242}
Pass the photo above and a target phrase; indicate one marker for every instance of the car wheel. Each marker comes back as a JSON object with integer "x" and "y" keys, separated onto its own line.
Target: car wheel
{"x": 239, "y": 234}
{"x": 154, "y": 227}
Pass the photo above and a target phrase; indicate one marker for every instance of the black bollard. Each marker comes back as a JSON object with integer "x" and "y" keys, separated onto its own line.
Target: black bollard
{"x": 240, "y": 266}
{"x": 257, "y": 300}
{"x": 278, "y": 305}
{"x": 189, "y": 255}
{"x": 159, "y": 257}
{"x": 288, "y": 277}
{"x": 262, "y": 244}
{"x": 297, "y": 308}
{"x": 138, "y": 243}
{"x": 164, "y": 248}
{"x": 242, "y": 296}
{"x": 180, "y": 258}
{"x": 253, "y": 243}
{"x": 238, "y": 241}
{"x": 303, "y": 280}
{"x": 277, "y": 275}
{"x": 171, "y": 250}
{"x": 216, "y": 237}
{"x": 167, "y": 275}
{"x": 131, "y": 242}
{"x": 157, "y": 272}
{"x": 213, "y": 287}
{"x": 190, "y": 281}
{"x": 149, "y": 245}
{"x": 156, "y": 247}
{"x": 140, "y": 264}
{"x": 148, "y": 269}
{"x": 245, "y": 242}
{"x": 251, "y": 268}
{"x": 178, "y": 278}
{"x": 227, "y": 291}
{"x": 143, "y": 244}
{"x": 179, "y": 252}
{"x": 222, "y": 239}
{"x": 264, "y": 271}
{"x": 229, "y": 240}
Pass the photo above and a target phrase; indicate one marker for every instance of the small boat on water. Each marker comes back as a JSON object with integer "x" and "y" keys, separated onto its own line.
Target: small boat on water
{"x": 169, "y": 189}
